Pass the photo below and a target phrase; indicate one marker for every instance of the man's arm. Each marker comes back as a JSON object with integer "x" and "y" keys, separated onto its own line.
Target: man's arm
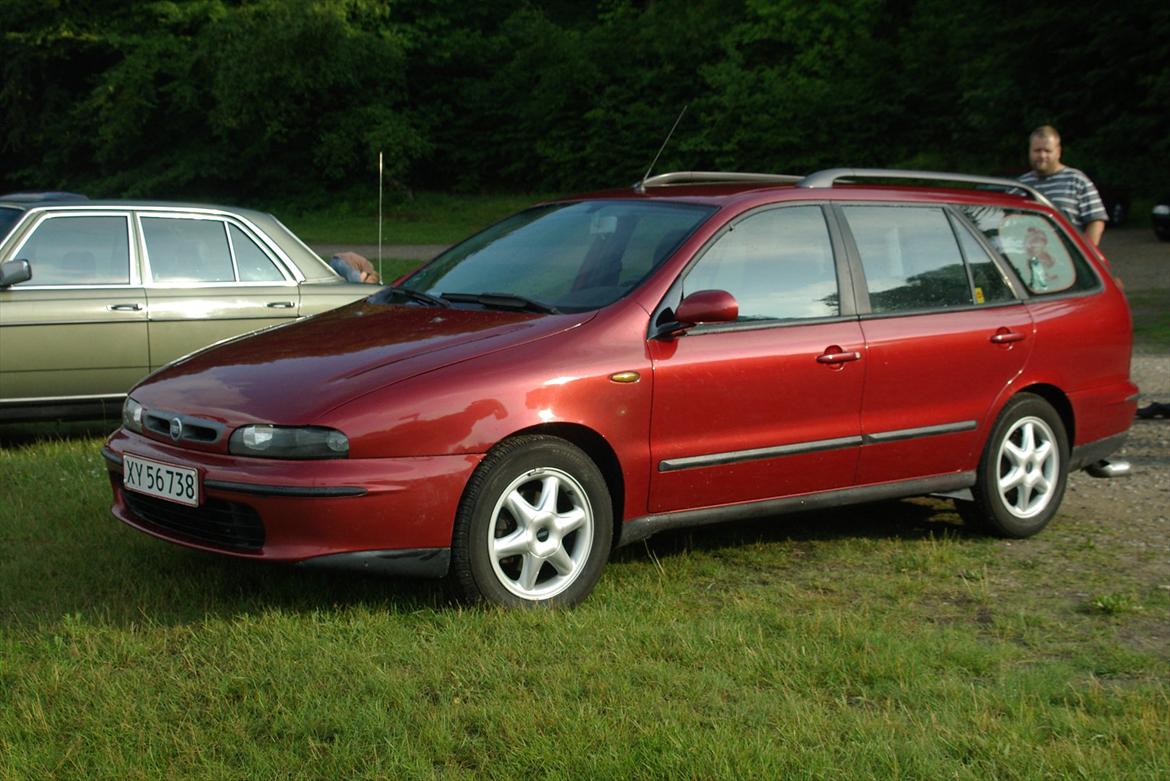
{"x": 1094, "y": 230}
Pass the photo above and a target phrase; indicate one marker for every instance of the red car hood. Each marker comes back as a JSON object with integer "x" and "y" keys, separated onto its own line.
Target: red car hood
{"x": 293, "y": 373}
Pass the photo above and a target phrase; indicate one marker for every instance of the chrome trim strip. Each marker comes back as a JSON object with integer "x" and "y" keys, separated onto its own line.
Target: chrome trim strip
{"x": 61, "y": 399}
{"x": 262, "y": 490}
{"x": 286, "y": 490}
{"x": 738, "y": 456}
{"x": 914, "y": 433}
{"x": 735, "y": 456}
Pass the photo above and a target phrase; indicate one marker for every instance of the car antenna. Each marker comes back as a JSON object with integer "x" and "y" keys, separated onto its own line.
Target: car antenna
{"x": 380, "y": 277}
{"x": 642, "y": 184}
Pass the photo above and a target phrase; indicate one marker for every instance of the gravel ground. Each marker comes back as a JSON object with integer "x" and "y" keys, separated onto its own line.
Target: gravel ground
{"x": 1130, "y": 517}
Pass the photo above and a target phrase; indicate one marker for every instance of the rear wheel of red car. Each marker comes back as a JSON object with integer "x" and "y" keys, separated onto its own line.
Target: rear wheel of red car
{"x": 534, "y": 526}
{"x": 1023, "y": 471}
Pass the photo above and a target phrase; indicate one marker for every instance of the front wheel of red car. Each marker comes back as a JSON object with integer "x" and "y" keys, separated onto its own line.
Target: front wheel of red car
{"x": 1023, "y": 471}
{"x": 534, "y": 526}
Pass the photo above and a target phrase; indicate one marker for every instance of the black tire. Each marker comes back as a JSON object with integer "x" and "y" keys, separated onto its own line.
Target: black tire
{"x": 1023, "y": 471}
{"x": 547, "y": 500}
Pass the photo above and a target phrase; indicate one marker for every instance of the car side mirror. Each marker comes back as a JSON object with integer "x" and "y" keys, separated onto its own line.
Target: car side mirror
{"x": 704, "y": 306}
{"x": 707, "y": 306}
{"x": 13, "y": 272}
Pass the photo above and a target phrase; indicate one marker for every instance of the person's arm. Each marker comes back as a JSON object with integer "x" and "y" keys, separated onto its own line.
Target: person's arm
{"x": 1094, "y": 230}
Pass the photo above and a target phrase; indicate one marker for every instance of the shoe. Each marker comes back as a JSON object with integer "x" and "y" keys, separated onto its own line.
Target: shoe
{"x": 1154, "y": 410}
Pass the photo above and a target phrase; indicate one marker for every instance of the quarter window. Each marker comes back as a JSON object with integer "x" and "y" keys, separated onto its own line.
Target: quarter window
{"x": 253, "y": 264}
{"x": 910, "y": 257}
{"x": 79, "y": 251}
{"x": 1042, "y": 255}
{"x": 777, "y": 263}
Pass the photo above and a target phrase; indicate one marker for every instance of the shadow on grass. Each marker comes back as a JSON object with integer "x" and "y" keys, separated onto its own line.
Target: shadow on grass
{"x": 22, "y": 434}
{"x": 907, "y": 519}
{"x": 132, "y": 578}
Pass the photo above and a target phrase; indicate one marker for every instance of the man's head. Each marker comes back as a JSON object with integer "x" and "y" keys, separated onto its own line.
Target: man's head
{"x": 1044, "y": 150}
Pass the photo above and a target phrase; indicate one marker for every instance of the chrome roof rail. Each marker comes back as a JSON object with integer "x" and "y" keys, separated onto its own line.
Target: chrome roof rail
{"x": 714, "y": 177}
{"x": 831, "y": 176}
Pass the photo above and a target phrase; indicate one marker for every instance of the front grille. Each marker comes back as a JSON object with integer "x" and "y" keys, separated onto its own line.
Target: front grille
{"x": 229, "y": 525}
{"x": 190, "y": 429}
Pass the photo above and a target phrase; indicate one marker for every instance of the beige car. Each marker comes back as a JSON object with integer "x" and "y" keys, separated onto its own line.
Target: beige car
{"x": 94, "y": 295}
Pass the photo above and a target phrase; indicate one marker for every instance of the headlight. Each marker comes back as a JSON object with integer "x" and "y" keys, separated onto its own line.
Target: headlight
{"x": 307, "y": 442}
{"x": 1162, "y": 209}
{"x": 132, "y": 415}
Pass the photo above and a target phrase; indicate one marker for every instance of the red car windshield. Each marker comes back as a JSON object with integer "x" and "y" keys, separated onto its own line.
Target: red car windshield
{"x": 565, "y": 257}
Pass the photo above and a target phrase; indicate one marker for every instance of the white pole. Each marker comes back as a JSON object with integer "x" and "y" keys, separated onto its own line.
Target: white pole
{"x": 380, "y": 217}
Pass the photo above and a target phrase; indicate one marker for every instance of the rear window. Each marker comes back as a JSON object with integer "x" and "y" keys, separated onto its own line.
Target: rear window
{"x": 1043, "y": 257}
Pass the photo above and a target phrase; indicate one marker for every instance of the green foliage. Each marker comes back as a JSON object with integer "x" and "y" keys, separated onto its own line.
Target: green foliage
{"x": 275, "y": 98}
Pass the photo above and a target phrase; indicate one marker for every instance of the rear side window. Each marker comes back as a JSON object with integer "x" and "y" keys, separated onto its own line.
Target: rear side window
{"x": 82, "y": 250}
{"x": 185, "y": 250}
{"x": 777, "y": 263}
{"x": 910, "y": 257}
{"x": 1045, "y": 260}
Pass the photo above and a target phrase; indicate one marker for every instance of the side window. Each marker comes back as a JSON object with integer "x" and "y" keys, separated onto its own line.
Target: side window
{"x": 910, "y": 258}
{"x": 253, "y": 264}
{"x": 187, "y": 250}
{"x": 989, "y": 285}
{"x": 79, "y": 251}
{"x": 777, "y": 263}
{"x": 1045, "y": 260}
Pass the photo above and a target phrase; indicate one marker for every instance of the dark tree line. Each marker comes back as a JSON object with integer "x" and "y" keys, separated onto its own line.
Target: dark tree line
{"x": 274, "y": 98}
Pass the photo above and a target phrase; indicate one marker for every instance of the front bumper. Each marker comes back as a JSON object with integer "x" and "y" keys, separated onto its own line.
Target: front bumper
{"x": 392, "y": 515}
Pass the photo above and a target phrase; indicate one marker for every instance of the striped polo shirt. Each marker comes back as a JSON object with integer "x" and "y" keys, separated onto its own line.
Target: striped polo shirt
{"x": 1072, "y": 192}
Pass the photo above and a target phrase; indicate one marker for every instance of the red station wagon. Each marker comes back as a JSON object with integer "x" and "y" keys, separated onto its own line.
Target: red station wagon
{"x": 702, "y": 347}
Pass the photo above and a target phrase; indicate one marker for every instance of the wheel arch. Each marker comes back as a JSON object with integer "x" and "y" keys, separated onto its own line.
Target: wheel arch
{"x": 1059, "y": 402}
{"x": 599, "y": 450}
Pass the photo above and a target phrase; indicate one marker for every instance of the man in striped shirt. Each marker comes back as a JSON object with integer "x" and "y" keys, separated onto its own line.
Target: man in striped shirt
{"x": 1069, "y": 189}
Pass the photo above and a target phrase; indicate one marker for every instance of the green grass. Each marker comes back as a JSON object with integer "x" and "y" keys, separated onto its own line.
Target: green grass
{"x": 428, "y": 218}
{"x": 878, "y": 642}
{"x": 1151, "y": 318}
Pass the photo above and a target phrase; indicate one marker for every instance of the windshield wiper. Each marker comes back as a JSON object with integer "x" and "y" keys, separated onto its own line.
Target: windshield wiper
{"x": 382, "y": 296}
{"x": 502, "y": 301}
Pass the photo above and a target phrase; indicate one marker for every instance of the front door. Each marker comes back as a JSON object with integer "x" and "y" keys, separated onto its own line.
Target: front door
{"x": 768, "y": 406}
{"x": 77, "y": 329}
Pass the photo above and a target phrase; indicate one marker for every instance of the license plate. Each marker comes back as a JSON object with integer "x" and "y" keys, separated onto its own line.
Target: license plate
{"x": 166, "y": 481}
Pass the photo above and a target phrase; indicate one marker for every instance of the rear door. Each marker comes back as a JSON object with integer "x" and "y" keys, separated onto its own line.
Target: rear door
{"x": 945, "y": 336}
{"x": 77, "y": 329}
{"x": 752, "y": 410}
{"x": 209, "y": 279}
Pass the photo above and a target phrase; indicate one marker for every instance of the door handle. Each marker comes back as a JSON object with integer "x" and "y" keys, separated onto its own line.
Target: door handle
{"x": 835, "y": 355}
{"x": 125, "y": 307}
{"x": 1007, "y": 336}
{"x": 280, "y": 304}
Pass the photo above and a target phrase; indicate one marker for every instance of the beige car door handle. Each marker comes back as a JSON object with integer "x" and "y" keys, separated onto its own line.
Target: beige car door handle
{"x": 125, "y": 307}
{"x": 280, "y": 304}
